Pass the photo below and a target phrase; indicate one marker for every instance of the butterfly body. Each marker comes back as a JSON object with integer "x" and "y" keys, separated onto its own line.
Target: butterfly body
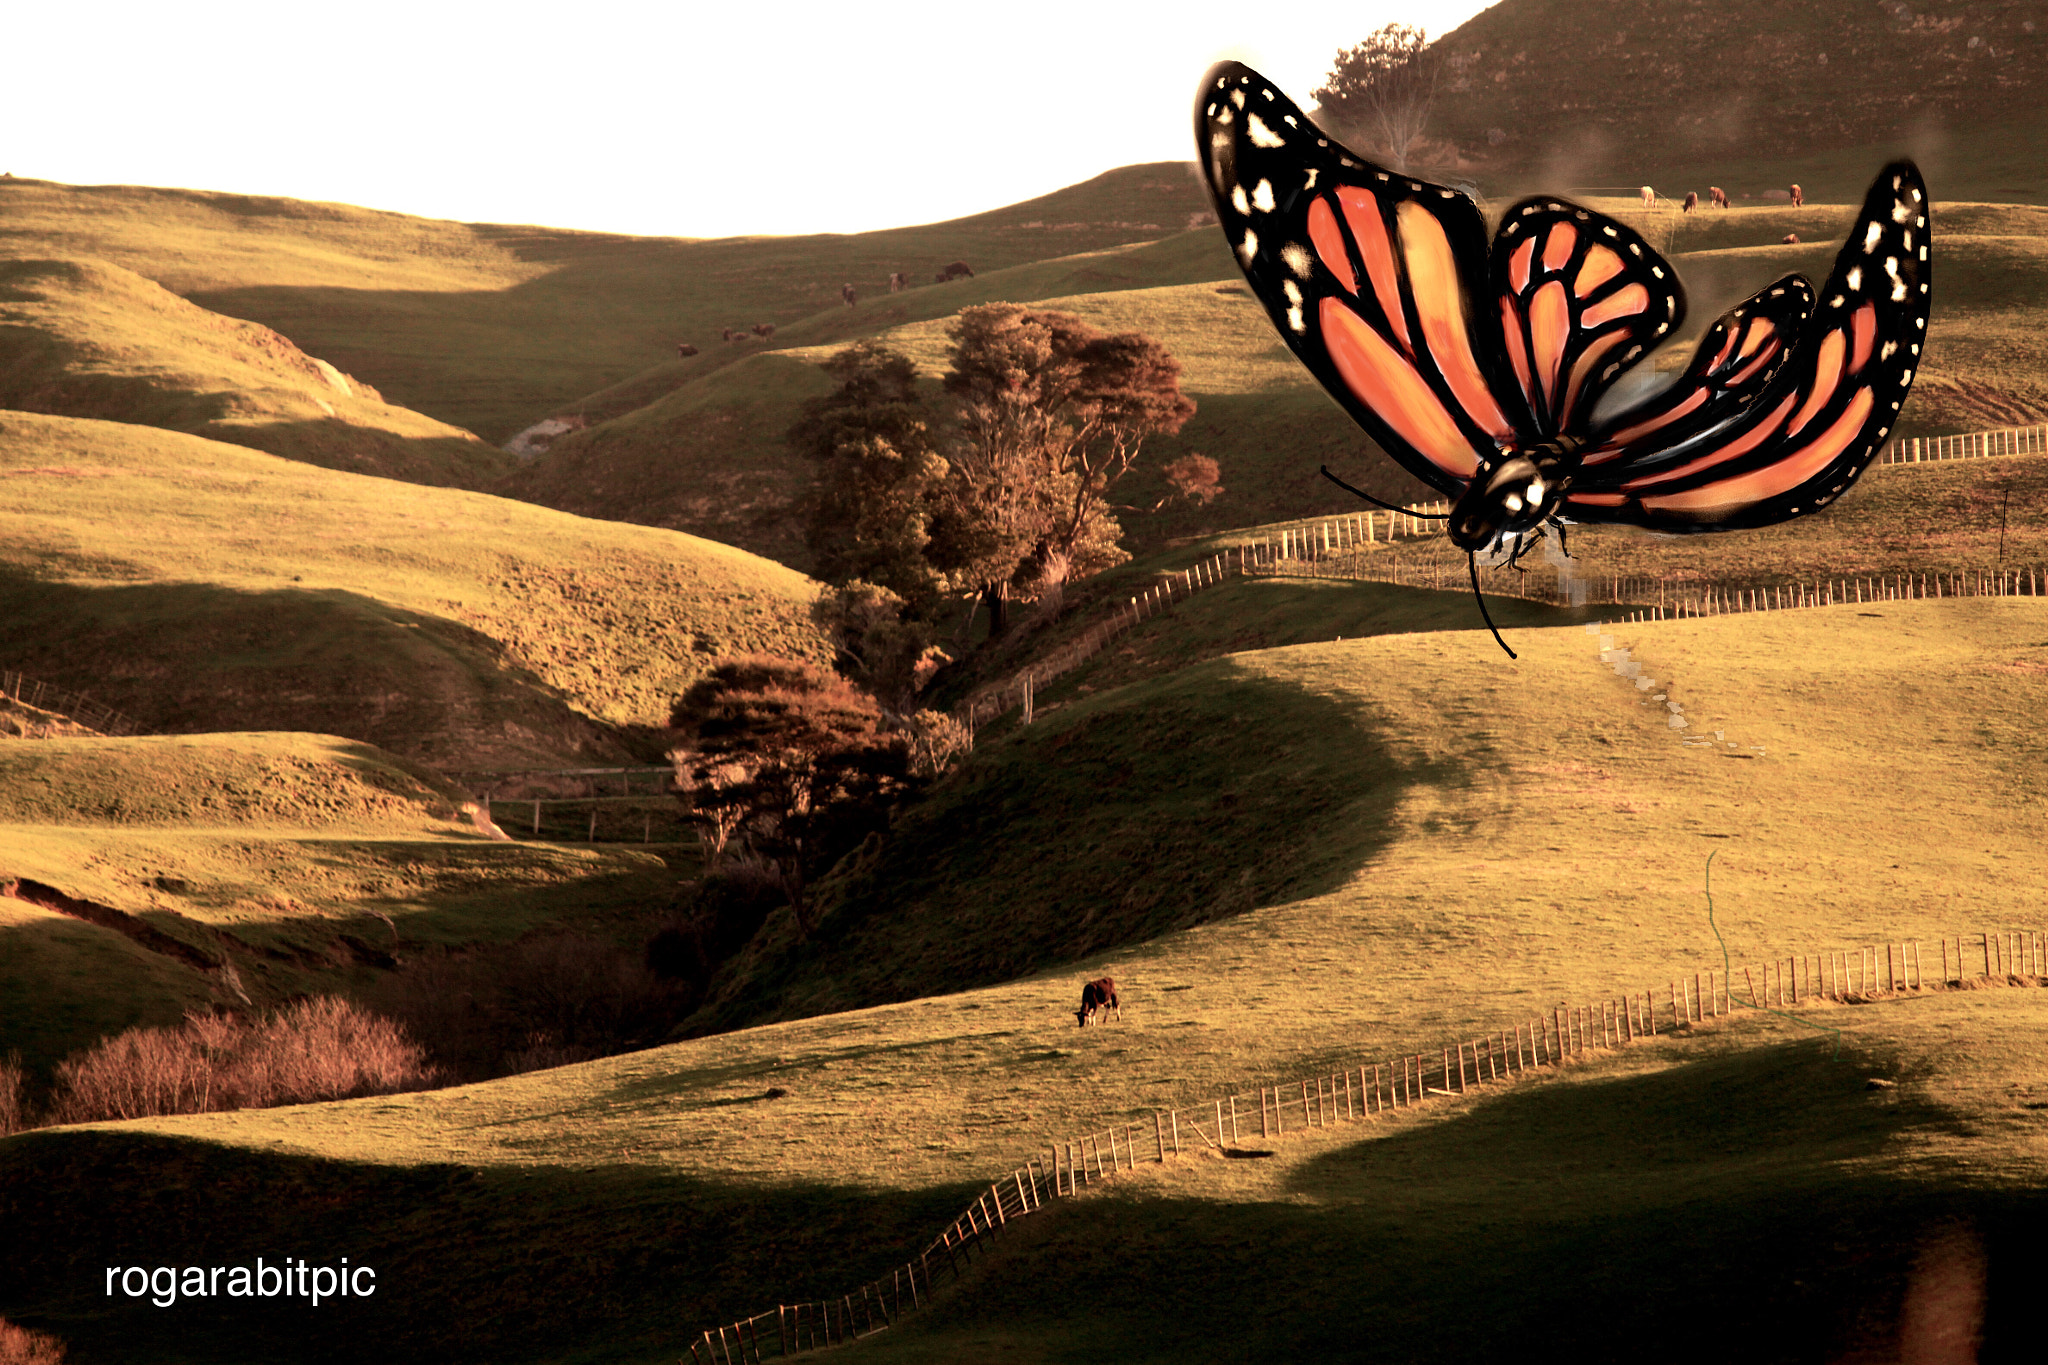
{"x": 1479, "y": 365}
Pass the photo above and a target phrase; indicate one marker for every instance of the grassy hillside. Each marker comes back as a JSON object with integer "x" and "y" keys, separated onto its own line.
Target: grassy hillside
{"x": 1752, "y": 93}
{"x": 492, "y": 327}
{"x": 1377, "y": 778}
{"x": 79, "y": 338}
{"x": 235, "y": 869}
{"x": 705, "y": 452}
{"x": 198, "y": 586}
{"x": 1467, "y": 841}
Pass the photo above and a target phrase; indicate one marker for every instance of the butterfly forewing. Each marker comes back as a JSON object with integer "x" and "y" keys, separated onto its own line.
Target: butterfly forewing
{"x": 1371, "y": 277}
{"x": 1826, "y": 408}
{"x": 1582, "y": 298}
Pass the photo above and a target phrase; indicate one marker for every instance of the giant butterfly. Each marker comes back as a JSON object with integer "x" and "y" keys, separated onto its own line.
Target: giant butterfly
{"x": 1479, "y": 368}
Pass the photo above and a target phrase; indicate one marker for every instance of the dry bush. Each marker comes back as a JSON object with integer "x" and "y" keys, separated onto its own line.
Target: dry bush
{"x": 321, "y": 1049}
{"x": 19, "y": 1346}
{"x": 13, "y": 1103}
{"x": 316, "y": 1049}
{"x": 137, "y": 1074}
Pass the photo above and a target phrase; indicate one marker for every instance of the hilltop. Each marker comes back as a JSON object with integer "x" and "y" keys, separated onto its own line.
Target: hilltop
{"x": 1749, "y": 94}
{"x": 490, "y": 327}
{"x": 81, "y": 338}
{"x": 703, "y": 451}
{"x": 198, "y": 586}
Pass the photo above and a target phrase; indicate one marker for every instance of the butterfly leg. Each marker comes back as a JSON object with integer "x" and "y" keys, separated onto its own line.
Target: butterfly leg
{"x": 1562, "y": 548}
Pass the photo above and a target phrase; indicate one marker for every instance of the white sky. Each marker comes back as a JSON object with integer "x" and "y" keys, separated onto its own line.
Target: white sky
{"x": 685, "y": 119}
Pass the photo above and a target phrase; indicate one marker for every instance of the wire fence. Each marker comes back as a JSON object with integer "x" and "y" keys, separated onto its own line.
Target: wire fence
{"x": 1974, "y": 445}
{"x": 1366, "y": 1090}
{"x": 74, "y": 705}
{"x": 581, "y": 805}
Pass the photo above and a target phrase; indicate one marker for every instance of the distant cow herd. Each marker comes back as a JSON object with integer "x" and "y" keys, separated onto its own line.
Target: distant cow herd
{"x": 1716, "y": 196}
{"x": 899, "y": 281}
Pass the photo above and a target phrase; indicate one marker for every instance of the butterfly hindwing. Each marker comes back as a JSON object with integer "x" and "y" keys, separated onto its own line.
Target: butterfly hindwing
{"x": 1582, "y": 297}
{"x": 1372, "y": 278}
{"x": 1796, "y": 440}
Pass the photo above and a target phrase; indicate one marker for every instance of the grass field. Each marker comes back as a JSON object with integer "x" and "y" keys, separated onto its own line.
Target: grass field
{"x": 1456, "y": 842}
{"x": 83, "y": 339}
{"x": 1304, "y": 822}
{"x": 305, "y": 863}
{"x": 493, "y": 327}
{"x": 201, "y": 586}
{"x": 707, "y": 454}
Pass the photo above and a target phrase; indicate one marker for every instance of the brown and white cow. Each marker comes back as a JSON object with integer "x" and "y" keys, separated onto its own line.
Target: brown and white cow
{"x": 1798, "y": 197}
{"x": 1692, "y": 201}
{"x": 1649, "y": 197}
{"x": 1098, "y": 995}
{"x": 1718, "y": 195}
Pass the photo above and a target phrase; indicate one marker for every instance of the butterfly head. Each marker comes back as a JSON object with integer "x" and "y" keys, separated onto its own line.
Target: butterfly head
{"x": 1516, "y": 493}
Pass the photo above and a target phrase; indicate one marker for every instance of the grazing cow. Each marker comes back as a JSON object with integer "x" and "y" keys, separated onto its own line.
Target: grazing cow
{"x": 898, "y": 282}
{"x": 1098, "y": 995}
{"x": 684, "y": 350}
{"x": 955, "y": 271}
{"x": 730, "y": 335}
{"x": 1791, "y": 239}
{"x": 1798, "y": 197}
{"x": 1718, "y": 195}
{"x": 764, "y": 329}
{"x": 1692, "y": 201}
{"x": 1649, "y": 197}
{"x": 846, "y": 293}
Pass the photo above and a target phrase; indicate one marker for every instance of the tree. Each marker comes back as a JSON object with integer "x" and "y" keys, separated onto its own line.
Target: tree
{"x": 879, "y": 475}
{"x": 1380, "y": 92}
{"x": 882, "y": 646}
{"x": 1051, "y": 414}
{"x": 792, "y": 759}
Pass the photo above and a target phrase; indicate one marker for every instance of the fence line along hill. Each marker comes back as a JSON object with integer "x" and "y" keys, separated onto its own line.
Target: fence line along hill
{"x": 1369, "y": 1089}
{"x": 1345, "y": 548}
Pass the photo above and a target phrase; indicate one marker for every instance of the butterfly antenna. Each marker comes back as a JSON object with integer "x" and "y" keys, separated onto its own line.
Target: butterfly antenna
{"x": 1427, "y": 516}
{"x": 1472, "y": 563}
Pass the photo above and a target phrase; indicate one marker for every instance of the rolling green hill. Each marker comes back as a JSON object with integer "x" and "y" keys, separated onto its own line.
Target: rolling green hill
{"x": 492, "y": 327}
{"x": 156, "y": 874}
{"x": 80, "y": 338}
{"x": 1455, "y": 843}
{"x": 705, "y": 452}
{"x": 198, "y": 586}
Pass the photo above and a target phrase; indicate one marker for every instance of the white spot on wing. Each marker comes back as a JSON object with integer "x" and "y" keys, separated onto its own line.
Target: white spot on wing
{"x": 1255, "y": 128}
{"x": 1238, "y": 201}
{"x": 1296, "y": 258}
{"x": 1262, "y": 196}
{"x": 1249, "y": 248}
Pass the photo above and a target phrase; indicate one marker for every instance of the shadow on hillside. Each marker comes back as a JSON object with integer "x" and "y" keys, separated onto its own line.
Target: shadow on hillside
{"x": 191, "y": 658}
{"x": 1716, "y": 1211}
{"x": 604, "y": 1260}
{"x": 1114, "y": 821}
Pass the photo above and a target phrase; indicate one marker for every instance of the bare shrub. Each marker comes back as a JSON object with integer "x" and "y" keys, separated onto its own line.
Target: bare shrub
{"x": 133, "y": 1075}
{"x": 13, "y": 1103}
{"x": 321, "y": 1049}
{"x": 19, "y": 1346}
{"x": 316, "y": 1049}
